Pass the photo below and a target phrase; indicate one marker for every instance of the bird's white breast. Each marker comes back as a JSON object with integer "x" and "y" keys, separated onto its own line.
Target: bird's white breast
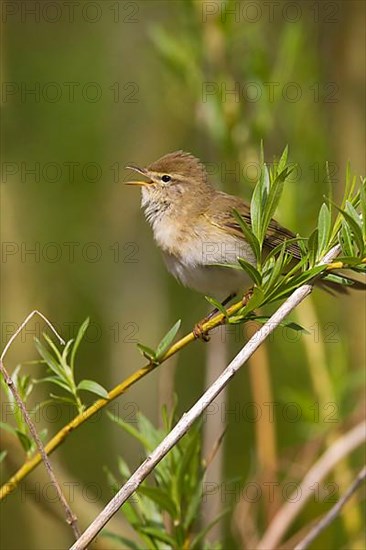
{"x": 191, "y": 251}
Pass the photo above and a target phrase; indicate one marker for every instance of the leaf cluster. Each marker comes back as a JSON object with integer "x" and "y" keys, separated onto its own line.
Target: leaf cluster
{"x": 155, "y": 356}
{"x": 61, "y": 373}
{"x": 61, "y": 367}
{"x": 276, "y": 274}
{"x": 173, "y": 497}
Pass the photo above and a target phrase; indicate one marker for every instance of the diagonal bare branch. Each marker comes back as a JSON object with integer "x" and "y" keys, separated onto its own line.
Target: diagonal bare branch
{"x": 191, "y": 416}
{"x": 333, "y": 512}
{"x": 289, "y": 511}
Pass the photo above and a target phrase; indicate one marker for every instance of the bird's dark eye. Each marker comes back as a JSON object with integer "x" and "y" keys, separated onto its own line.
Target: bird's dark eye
{"x": 165, "y": 178}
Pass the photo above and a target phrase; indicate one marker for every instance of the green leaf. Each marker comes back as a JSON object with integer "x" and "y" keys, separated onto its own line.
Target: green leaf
{"x": 313, "y": 247}
{"x": 52, "y": 346}
{"x": 324, "y": 223}
{"x": 287, "y": 287}
{"x": 248, "y": 234}
{"x": 130, "y": 513}
{"x": 196, "y": 542}
{"x": 272, "y": 200}
{"x": 166, "y": 341}
{"x": 123, "y": 468}
{"x": 59, "y": 382}
{"x": 152, "y": 435}
{"x": 158, "y": 534}
{"x": 350, "y": 209}
{"x": 252, "y": 272}
{"x": 295, "y": 326}
{"x": 345, "y": 239}
{"x": 26, "y": 442}
{"x": 79, "y": 337}
{"x": 283, "y": 160}
{"x": 354, "y": 226}
{"x": 278, "y": 267}
{"x": 63, "y": 399}
{"x": 338, "y": 279}
{"x": 93, "y": 387}
{"x": 217, "y": 305}
{"x": 194, "y": 504}
{"x": 147, "y": 352}
{"x": 289, "y": 324}
{"x": 255, "y": 301}
{"x": 277, "y": 249}
{"x": 191, "y": 450}
{"x": 49, "y": 359}
{"x": 68, "y": 371}
{"x": 159, "y": 497}
{"x": 129, "y": 428}
{"x": 256, "y": 207}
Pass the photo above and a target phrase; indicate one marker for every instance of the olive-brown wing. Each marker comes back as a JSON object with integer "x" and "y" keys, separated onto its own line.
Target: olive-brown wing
{"x": 220, "y": 213}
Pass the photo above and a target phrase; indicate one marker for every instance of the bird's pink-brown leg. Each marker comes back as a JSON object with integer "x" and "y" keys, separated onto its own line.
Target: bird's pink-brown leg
{"x": 198, "y": 328}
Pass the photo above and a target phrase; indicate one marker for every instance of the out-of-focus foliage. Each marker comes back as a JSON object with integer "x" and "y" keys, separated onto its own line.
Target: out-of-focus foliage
{"x": 215, "y": 84}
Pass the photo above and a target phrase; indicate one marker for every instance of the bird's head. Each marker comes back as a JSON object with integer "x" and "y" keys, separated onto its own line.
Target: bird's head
{"x": 176, "y": 180}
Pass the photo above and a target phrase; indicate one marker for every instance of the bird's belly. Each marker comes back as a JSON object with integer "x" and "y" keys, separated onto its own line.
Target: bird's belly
{"x": 191, "y": 252}
{"x": 217, "y": 281}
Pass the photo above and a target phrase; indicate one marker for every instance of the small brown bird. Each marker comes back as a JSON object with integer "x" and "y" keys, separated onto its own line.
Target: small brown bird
{"x": 194, "y": 225}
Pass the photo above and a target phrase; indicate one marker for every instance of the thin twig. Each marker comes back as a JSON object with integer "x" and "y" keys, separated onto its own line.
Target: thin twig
{"x": 191, "y": 416}
{"x": 117, "y": 391}
{"x": 70, "y": 516}
{"x": 20, "y": 328}
{"x": 333, "y": 512}
{"x": 325, "y": 464}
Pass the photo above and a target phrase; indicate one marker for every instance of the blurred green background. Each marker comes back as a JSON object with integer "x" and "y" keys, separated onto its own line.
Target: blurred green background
{"x": 92, "y": 86}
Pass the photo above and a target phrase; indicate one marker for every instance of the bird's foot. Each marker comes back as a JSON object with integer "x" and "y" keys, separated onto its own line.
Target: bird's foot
{"x": 247, "y": 296}
{"x": 199, "y": 332}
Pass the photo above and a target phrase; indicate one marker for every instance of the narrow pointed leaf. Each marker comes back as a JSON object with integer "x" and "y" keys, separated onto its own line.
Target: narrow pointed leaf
{"x": 355, "y": 228}
{"x": 160, "y": 498}
{"x": 324, "y": 222}
{"x": 252, "y": 271}
{"x": 158, "y": 534}
{"x": 248, "y": 233}
{"x": 58, "y": 381}
{"x": 93, "y": 387}
{"x": 256, "y": 209}
{"x": 52, "y": 346}
{"x": 49, "y": 359}
{"x": 255, "y": 301}
{"x": 25, "y": 441}
{"x": 167, "y": 340}
{"x": 273, "y": 199}
{"x": 216, "y": 305}
{"x": 129, "y": 428}
{"x": 147, "y": 352}
{"x": 78, "y": 339}
{"x": 283, "y": 160}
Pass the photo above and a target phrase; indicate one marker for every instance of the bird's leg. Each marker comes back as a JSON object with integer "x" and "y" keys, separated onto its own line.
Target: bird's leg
{"x": 198, "y": 330}
{"x": 247, "y": 296}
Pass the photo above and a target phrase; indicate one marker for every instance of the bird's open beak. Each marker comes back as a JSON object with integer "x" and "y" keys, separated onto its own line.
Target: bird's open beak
{"x": 140, "y": 171}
